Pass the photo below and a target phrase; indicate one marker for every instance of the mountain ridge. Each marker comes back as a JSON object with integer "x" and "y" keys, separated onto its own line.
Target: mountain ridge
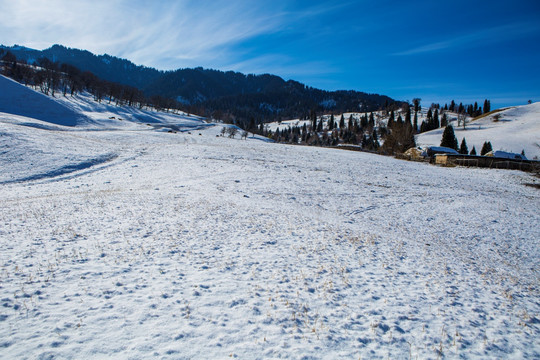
{"x": 230, "y": 95}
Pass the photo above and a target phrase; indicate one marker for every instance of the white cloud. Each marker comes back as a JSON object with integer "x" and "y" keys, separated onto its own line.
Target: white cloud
{"x": 485, "y": 36}
{"x": 182, "y": 33}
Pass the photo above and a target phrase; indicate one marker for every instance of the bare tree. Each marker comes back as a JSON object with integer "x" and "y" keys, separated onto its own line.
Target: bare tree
{"x": 232, "y": 131}
{"x": 462, "y": 118}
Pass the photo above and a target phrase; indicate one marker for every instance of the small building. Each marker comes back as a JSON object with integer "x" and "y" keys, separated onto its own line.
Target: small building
{"x": 434, "y": 150}
{"x": 486, "y": 162}
{"x": 506, "y": 155}
{"x": 414, "y": 154}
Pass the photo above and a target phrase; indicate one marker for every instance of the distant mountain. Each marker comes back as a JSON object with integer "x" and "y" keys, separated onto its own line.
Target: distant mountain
{"x": 104, "y": 66}
{"x": 228, "y": 95}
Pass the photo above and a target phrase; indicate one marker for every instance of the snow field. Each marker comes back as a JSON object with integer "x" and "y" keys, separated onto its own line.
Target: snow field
{"x": 122, "y": 240}
{"x": 197, "y": 246}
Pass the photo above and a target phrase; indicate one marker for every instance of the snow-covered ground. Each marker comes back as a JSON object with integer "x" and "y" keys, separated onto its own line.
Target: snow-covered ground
{"x": 191, "y": 245}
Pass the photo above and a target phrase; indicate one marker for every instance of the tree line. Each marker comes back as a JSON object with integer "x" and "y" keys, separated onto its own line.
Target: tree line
{"x": 364, "y": 131}
{"x": 53, "y": 78}
{"x": 397, "y": 133}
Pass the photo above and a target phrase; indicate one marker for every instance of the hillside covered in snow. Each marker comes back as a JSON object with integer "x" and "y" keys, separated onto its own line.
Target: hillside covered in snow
{"x": 514, "y": 129}
{"x": 131, "y": 233}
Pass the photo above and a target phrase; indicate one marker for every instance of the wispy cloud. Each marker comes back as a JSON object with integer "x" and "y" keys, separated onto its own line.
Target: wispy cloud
{"x": 485, "y": 36}
{"x": 283, "y": 65}
{"x": 184, "y": 33}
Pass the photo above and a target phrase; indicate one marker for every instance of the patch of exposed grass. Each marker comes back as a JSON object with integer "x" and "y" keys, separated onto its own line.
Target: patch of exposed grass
{"x": 490, "y": 113}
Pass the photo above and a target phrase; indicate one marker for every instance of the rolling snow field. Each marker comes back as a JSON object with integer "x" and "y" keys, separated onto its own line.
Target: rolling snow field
{"x": 127, "y": 241}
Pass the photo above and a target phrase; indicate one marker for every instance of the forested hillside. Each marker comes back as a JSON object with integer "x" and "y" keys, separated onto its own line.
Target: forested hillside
{"x": 230, "y": 96}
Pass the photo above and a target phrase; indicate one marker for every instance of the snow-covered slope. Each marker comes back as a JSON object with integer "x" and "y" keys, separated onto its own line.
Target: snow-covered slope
{"x": 20, "y": 100}
{"x": 512, "y": 130}
{"x": 56, "y": 145}
{"x": 192, "y": 245}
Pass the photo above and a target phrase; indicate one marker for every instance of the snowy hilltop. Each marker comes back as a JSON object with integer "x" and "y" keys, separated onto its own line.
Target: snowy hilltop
{"x": 514, "y": 129}
{"x": 132, "y": 233}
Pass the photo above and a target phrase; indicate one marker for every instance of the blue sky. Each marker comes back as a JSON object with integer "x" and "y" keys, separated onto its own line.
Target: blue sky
{"x": 434, "y": 50}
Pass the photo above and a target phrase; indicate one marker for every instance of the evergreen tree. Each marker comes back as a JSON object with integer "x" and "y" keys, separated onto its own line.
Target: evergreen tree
{"x": 423, "y": 127}
{"x": 436, "y": 123}
{"x": 449, "y": 138}
{"x": 452, "y": 106}
{"x": 313, "y": 120}
{"x": 463, "y": 148}
{"x": 391, "y": 120}
{"x": 331, "y": 123}
{"x": 473, "y": 151}
{"x": 486, "y": 148}
{"x": 342, "y": 122}
{"x": 320, "y": 125}
{"x": 444, "y": 120}
{"x": 375, "y": 138}
{"x": 416, "y": 103}
{"x": 487, "y": 106}
{"x": 364, "y": 121}
{"x": 415, "y": 124}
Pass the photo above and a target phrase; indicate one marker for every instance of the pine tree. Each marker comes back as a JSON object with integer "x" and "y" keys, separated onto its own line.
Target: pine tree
{"x": 487, "y": 106}
{"x": 463, "y": 148}
{"x": 449, "y": 138}
{"x": 423, "y": 127}
{"x": 342, "y": 122}
{"x": 320, "y": 125}
{"x": 391, "y": 120}
{"x": 364, "y": 121}
{"x": 416, "y": 103}
{"x": 473, "y": 151}
{"x": 486, "y": 148}
{"x": 436, "y": 123}
{"x": 429, "y": 118}
{"x": 408, "y": 116}
{"x": 375, "y": 138}
{"x": 444, "y": 120}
